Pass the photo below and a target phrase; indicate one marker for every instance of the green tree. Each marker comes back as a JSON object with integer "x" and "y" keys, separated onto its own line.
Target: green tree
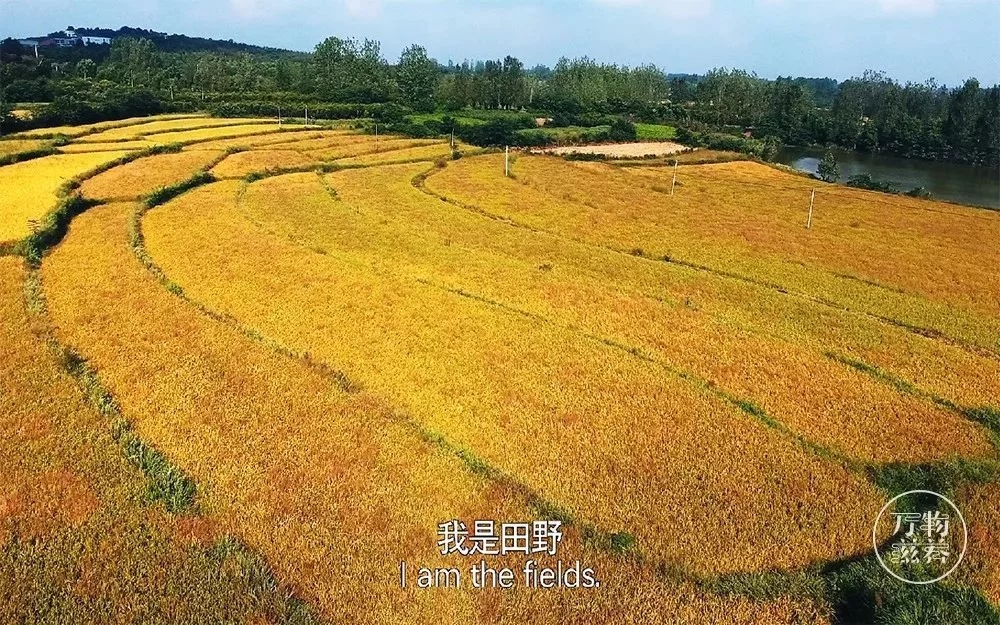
{"x": 622, "y": 130}
{"x": 350, "y": 71}
{"x": 417, "y": 76}
{"x": 829, "y": 168}
{"x": 133, "y": 62}
{"x": 85, "y": 68}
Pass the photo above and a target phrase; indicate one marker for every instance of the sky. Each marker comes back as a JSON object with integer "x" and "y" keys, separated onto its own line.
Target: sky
{"x": 911, "y": 40}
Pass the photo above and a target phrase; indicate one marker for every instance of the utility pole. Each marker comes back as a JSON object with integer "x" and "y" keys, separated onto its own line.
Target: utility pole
{"x": 674, "y": 183}
{"x": 812, "y": 202}
{"x": 506, "y": 162}
{"x": 279, "y": 116}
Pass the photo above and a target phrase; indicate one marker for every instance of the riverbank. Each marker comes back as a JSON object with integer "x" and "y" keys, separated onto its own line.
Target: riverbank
{"x": 956, "y": 182}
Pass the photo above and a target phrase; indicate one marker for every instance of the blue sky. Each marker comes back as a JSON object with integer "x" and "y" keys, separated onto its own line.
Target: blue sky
{"x": 949, "y": 40}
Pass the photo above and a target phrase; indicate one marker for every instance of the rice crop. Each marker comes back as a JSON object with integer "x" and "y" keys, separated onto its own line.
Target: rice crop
{"x": 704, "y": 228}
{"x": 367, "y": 144}
{"x": 16, "y": 146}
{"x": 980, "y": 506}
{"x": 363, "y": 479}
{"x": 405, "y": 230}
{"x": 164, "y": 126}
{"x": 78, "y": 131}
{"x": 79, "y": 543}
{"x": 143, "y": 176}
{"x": 30, "y": 188}
{"x": 614, "y": 404}
{"x": 290, "y": 137}
{"x": 76, "y": 148}
{"x": 203, "y": 134}
{"x": 248, "y": 400}
{"x": 244, "y": 163}
{"x": 406, "y": 155}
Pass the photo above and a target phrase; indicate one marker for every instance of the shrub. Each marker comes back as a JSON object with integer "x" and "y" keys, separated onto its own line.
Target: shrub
{"x": 622, "y": 131}
{"x": 865, "y": 181}
{"x": 829, "y": 168}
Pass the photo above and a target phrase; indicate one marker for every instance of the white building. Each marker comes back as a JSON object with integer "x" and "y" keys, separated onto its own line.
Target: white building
{"x": 73, "y": 37}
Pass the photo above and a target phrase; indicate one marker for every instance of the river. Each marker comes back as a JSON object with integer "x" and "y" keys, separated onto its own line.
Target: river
{"x": 967, "y": 184}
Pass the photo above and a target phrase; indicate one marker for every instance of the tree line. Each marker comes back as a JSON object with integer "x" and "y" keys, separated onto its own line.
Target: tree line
{"x": 871, "y": 112}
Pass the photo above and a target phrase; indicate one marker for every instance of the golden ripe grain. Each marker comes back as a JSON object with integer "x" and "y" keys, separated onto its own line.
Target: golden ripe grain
{"x": 29, "y": 188}
{"x": 323, "y": 140}
{"x": 75, "y": 148}
{"x": 79, "y": 546}
{"x": 243, "y": 163}
{"x": 715, "y": 225}
{"x": 159, "y": 127}
{"x": 980, "y": 505}
{"x": 406, "y": 155}
{"x": 855, "y": 232}
{"x": 77, "y": 131}
{"x": 290, "y": 137}
{"x": 367, "y": 144}
{"x": 437, "y": 355}
{"x": 143, "y": 176}
{"x": 408, "y": 231}
{"x": 15, "y": 146}
{"x": 185, "y": 136}
{"x": 332, "y": 488}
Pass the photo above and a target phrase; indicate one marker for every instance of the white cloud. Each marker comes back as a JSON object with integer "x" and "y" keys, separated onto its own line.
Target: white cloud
{"x": 364, "y": 9}
{"x": 677, "y": 9}
{"x": 908, "y": 7}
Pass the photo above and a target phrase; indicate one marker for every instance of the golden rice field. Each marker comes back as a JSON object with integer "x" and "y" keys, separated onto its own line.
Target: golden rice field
{"x": 155, "y": 129}
{"x": 297, "y": 137}
{"x": 256, "y": 373}
{"x": 139, "y": 178}
{"x": 30, "y": 188}
{"x": 245, "y": 163}
{"x": 219, "y": 132}
{"x": 80, "y": 131}
{"x": 406, "y": 155}
{"x": 15, "y": 146}
{"x": 74, "y": 148}
{"x": 79, "y": 544}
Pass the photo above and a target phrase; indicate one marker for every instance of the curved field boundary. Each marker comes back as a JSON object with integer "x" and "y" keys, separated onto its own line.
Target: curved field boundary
{"x": 166, "y": 126}
{"x": 616, "y": 542}
{"x": 621, "y": 574}
{"x": 75, "y": 503}
{"x": 818, "y": 579}
{"x": 83, "y": 131}
{"x": 528, "y": 396}
{"x": 419, "y": 182}
{"x": 746, "y": 405}
{"x": 166, "y": 482}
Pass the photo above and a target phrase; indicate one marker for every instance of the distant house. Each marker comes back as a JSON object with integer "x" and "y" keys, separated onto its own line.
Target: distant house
{"x": 58, "y": 42}
{"x": 70, "y": 39}
{"x": 28, "y": 43}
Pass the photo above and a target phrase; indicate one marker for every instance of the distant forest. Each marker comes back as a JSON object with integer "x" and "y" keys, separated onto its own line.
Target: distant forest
{"x": 146, "y": 72}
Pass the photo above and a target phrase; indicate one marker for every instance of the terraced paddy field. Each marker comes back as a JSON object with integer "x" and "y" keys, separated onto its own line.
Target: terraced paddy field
{"x": 251, "y": 375}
